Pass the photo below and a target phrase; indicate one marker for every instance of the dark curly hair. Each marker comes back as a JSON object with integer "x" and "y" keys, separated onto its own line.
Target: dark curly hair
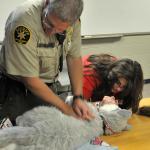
{"x": 108, "y": 71}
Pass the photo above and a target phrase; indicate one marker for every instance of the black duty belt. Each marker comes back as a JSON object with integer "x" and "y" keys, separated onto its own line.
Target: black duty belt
{"x": 11, "y": 81}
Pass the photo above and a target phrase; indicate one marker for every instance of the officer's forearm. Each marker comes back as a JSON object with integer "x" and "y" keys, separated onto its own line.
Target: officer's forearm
{"x": 75, "y": 74}
{"x": 40, "y": 89}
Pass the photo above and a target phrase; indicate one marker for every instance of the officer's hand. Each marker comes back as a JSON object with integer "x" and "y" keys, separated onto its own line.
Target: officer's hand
{"x": 69, "y": 111}
{"x": 82, "y": 110}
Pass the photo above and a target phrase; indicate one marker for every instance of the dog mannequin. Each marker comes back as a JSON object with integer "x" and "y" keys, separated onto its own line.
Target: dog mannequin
{"x": 47, "y": 128}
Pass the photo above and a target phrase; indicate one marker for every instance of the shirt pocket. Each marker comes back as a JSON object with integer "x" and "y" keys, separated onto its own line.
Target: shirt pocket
{"x": 47, "y": 61}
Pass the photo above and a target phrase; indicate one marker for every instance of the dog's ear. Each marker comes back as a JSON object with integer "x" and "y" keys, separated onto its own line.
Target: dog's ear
{"x": 116, "y": 120}
{"x": 125, "y": 113}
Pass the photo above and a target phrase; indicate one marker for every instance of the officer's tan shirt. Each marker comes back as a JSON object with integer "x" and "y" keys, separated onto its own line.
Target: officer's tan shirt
{"x": 27, "y": 51}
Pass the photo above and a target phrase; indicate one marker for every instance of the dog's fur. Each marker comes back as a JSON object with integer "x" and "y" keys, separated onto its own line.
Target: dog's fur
{"x": 47, "y": 128}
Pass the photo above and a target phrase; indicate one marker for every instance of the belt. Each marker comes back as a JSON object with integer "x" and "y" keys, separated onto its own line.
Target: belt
{"x": 11, "y": 81}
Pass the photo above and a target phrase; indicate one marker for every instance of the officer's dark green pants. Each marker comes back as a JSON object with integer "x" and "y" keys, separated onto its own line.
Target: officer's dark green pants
{"x": 15, "y": 99}
{"x": 12, "y": 98}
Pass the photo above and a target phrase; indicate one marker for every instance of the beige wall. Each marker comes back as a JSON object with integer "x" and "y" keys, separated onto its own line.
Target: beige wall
{"x": 135, "y": 47}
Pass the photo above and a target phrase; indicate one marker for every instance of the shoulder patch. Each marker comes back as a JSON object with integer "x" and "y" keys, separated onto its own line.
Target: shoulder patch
{"x": 22, "y": 34}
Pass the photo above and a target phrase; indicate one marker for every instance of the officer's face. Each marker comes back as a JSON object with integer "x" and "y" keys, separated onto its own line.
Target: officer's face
{"x": 52, "y": 24}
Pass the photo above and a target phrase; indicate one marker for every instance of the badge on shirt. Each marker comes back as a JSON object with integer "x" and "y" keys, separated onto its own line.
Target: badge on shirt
{"x": 22, "y": 34}
{"x": 69, "y": 33}
{"x": 69, "y": 36}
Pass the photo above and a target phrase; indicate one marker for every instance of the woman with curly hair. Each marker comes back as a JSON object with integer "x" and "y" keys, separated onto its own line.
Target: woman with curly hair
{"x": 120, "y": 79}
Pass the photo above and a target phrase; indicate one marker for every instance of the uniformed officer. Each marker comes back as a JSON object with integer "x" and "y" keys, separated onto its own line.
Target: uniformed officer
{"x": 37, "y": 35}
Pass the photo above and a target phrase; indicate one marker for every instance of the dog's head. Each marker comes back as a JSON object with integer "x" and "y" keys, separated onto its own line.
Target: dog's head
{"x": 114, "y": 119}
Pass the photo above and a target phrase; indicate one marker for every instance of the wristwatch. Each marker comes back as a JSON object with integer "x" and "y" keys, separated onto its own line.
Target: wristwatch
{"x": 78, "y": 97}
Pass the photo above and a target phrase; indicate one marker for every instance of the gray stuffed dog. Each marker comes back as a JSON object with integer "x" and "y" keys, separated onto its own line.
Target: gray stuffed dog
{"x": 47, "y": 128}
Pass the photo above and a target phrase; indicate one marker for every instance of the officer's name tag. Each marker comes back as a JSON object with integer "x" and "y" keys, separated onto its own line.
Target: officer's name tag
{"x": 49, "y": 45}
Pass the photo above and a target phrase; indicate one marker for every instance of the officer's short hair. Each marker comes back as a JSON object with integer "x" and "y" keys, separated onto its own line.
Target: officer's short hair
{"x": 67, "y": 10}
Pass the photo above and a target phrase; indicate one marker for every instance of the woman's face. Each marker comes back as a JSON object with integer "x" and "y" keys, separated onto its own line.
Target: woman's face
{"x": 119, "y": 86}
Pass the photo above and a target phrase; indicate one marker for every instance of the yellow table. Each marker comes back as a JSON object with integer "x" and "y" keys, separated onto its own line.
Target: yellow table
{"x": 137, "y": 138}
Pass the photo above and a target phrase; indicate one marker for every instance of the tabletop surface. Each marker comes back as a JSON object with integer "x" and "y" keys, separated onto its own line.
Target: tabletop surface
{"x": 137, "y": 138}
